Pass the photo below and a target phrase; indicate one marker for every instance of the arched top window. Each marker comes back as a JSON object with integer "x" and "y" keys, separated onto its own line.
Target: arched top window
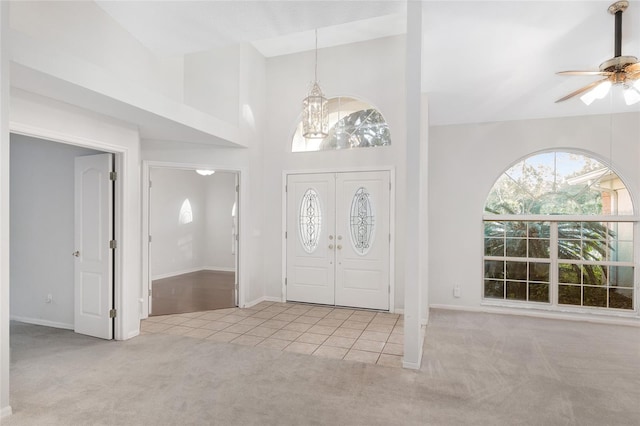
{"x": 352, "y": 124}
{"x": 559, "y": 183}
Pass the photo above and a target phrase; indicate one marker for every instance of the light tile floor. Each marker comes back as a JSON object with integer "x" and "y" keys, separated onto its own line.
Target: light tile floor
{"x": 351, "y": 334}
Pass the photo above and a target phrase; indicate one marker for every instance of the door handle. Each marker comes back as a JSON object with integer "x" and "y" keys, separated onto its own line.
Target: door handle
{"x": 331, "y": 237}
{"x": 330, "y": 246}
{"x": 76, "y": 253}
{"x": 339, "y": 237}
{"x": 339, "y": 247}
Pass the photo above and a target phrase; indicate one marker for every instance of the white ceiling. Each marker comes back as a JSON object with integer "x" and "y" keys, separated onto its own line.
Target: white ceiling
{"x": 482, "y": 60}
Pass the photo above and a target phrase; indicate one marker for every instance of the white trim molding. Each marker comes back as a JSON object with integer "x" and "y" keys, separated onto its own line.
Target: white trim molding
{"x": 39, "y": 321}
{"x": 569, "y": 316}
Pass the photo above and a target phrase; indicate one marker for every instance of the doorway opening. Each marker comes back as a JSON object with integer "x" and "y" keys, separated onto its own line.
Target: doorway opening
{"x": 193, "y": 245}
{"x": 62, "y": 248}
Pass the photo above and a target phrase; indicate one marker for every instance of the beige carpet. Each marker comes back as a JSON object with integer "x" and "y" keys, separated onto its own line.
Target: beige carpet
{"x": 477, "y": 369}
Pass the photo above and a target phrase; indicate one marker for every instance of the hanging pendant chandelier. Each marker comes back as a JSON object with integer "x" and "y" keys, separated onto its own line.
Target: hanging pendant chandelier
{"x": 315, "y": 114}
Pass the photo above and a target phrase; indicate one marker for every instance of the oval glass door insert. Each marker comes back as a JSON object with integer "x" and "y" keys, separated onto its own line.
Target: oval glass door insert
{"x": 362, "y": 221}
{"x": 310, "y": 220}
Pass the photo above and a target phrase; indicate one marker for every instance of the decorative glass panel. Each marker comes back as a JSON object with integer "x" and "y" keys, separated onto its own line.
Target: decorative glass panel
{"x": 362, "y": 221}
{"x": 352, "y": 124}
{"x": 310, "y": 220}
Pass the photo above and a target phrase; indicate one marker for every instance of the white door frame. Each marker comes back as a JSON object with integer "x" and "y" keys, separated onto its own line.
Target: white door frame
{"x": 121, "y": 158}
{"x": 241, "y": 270}
{"x": 392, "y": 221}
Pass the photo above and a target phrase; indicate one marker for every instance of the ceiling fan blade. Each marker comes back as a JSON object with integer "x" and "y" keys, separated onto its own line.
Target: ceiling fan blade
{"x": 633, "y": 68}
{"x": 584, "y": 73}
{"x": 582, "y": 90}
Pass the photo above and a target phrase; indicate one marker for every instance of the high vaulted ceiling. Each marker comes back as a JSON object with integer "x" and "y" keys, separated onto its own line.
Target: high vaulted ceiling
{"x": 482, "y": 60}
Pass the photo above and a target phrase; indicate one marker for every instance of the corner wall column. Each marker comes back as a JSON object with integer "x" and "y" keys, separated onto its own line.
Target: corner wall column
{"x": 5, "y": 408}
{"x": 415, "y": 217}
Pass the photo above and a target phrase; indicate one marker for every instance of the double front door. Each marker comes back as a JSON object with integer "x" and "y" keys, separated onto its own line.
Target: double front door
{"x": 338, "y": 239}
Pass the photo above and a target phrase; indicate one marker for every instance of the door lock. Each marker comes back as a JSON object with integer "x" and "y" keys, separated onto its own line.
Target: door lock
{"x": 339, "y": 247}
{"x": 330, "y": 246}
{"x": 76, "y": 253}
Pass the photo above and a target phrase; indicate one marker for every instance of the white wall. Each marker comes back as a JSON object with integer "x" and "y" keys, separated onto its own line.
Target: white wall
{"x": 176, "y": 247}
{"x": 220, "y": 196}
{"x": 465, "y": 161}
{"x": 45, "y": 118}
{"x": 42, "y": 230}
{"x": 373, "y": 71}
{"x": 83, "y": 29}
{"x": 5, "y": 408}
{"x": 205, "y": 243}
{"x": 211, "y": 82}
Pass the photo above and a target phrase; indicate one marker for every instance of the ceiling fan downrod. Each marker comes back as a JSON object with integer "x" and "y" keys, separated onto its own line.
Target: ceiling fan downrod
{"x": 617, "y": 9}
{"x": 618, "y": 63}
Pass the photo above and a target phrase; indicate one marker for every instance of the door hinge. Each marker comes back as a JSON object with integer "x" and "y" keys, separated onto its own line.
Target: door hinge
{"x": 150, "y": 184}
{"x": 150, "y": 238}
{"x": 389, "y": 237}
{"x": 113, "y": 244}
{"x": 112, "y": 313}
{"x": 113, "y": 176}
{"x": 286, "y": 188}
{"x": 389, "y": 186}
{"x": 237, "y": 237}
{"x": 285, "y": 281}
{"x": 285, "y": 235}
{"x": 389, "y": 289}
{"x": 237, "y": 188}
{"x": 149, "y": 292}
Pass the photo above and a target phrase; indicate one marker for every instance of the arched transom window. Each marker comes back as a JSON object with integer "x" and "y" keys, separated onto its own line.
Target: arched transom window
{"x": 558, "y": 231}
{"x": 352, "y": 124}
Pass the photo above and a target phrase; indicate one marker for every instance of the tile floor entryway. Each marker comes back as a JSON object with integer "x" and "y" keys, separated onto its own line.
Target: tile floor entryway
{"x": 350, "y": 334}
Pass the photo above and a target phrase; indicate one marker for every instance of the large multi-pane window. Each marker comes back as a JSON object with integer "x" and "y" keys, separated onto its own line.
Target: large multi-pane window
{"x": 558, "y": 231}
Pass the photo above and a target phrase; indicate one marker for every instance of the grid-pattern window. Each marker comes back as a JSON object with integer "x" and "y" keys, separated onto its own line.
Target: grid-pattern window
{"x": 595, "y": 264}
{"x": 557, "y": 231}
{"x": 517, "y": 262}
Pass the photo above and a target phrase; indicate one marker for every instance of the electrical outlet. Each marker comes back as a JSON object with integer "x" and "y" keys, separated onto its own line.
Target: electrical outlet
{"x": 456, "y": 291}
{"x": 49, "y": 298}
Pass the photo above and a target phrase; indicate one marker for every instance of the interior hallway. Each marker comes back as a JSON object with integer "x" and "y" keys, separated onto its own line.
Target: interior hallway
{"x": 477, "y": 369}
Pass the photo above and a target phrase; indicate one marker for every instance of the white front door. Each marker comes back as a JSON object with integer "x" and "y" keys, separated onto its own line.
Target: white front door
{"x": 311, "y": 238}
{"x": 93, "y": 255}
{"x": 338, "y": 239}
{"x": 363, "y": 240}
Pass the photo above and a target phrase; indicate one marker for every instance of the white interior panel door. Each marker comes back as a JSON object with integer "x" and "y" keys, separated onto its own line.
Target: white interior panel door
{"x": 93, "y": 231}
{"x": 310, "y": 238}
{"x": 363, "y": 239}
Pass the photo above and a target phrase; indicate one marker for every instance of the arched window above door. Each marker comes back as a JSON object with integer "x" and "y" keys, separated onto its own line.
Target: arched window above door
{"x": 352, "y": 124}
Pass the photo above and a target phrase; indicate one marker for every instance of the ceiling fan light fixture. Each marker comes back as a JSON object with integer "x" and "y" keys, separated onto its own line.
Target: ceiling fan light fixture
{"x": 598, "y": 92}
{"x": 203, "y": 172}
{"x": 632, "y": 95}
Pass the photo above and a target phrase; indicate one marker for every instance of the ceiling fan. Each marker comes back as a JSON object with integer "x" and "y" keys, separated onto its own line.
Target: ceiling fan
{"x": 622, "y": 70}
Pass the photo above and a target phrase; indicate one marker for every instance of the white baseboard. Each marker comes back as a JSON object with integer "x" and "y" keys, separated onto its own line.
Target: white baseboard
{"x": 5, "y": 412}
{"x": 262, "y": 299}
{"x": 219, "y": 268}
{"x": 423, "y": 321}
{"x": 569, "y": 316}
{"x": 190, "y": 270}
{"x": 413, "y": 365}
{"x": 133, "y": 334}
{"x": 39, "y": 321}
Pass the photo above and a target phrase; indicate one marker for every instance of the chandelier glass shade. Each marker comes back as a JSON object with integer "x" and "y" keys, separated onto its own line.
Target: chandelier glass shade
{"x": 315, "y": 112}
